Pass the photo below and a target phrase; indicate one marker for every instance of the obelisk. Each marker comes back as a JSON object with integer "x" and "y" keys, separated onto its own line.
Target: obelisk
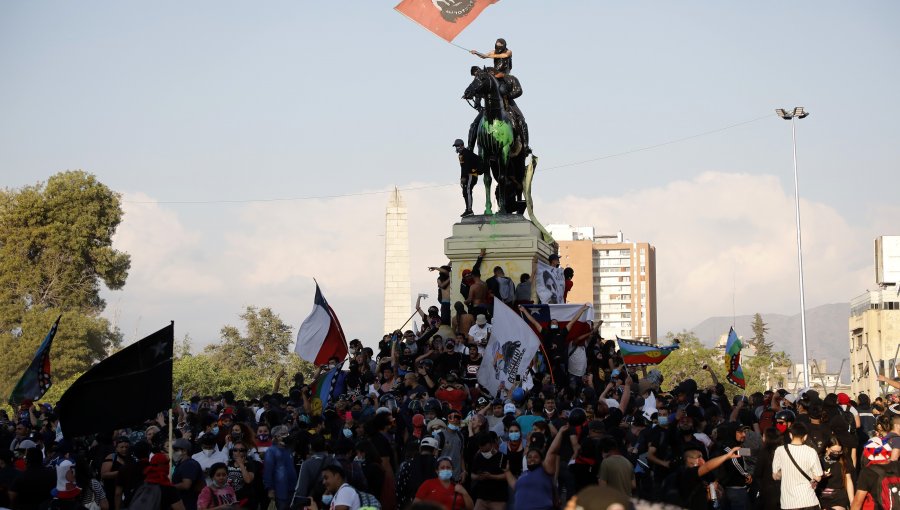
{"x": 397, "y": 299}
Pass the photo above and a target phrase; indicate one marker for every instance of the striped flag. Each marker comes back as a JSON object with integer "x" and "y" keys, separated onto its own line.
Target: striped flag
{"x": 36, "y": 380}
{"x": 320, "y": 337}
{"x": 733, "y": 360}
{"x": 639, "y": 354}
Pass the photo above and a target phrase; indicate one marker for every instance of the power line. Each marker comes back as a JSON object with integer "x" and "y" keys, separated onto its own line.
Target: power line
{"x": 433, "y": 186}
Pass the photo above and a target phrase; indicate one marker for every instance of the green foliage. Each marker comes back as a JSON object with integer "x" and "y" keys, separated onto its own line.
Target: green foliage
{"x": 264, "y": 348}
{"x": 55, "y": 250}
{"x": 763, "y": 347}
{"x": 245, "y": 364}
{"x": 687, "y": 363}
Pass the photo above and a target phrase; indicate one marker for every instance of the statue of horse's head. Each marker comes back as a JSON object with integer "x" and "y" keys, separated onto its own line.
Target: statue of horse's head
{"x": 481, "y": 82}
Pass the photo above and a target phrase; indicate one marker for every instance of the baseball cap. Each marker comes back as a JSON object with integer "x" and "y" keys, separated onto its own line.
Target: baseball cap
{"x": 435, "y": 424}
{"x": 26, "y": 444}
{"x": 843, "y": 399}
{"x": 181, "y": 444}
{"x": 481, "y": 320}
{"x": 509, "y": 408}
{"x": 458, "y": 143}
{"x": 553, "y": 257}
{"x": 429, "y": 442}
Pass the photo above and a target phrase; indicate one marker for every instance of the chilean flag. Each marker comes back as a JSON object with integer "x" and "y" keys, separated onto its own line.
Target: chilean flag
{"x": 320, "y": 336}
{"x": 563, "y": 314}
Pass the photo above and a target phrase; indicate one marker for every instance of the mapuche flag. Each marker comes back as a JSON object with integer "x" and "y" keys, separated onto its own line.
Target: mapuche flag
{"x": 124, "y": 390}
{"x": 641, "y": 354}
{"x": 320, "y": 337}
{"x": 445, "y": 18}
{"x": 36, "y": 379}
{"x": 733, "y": 348}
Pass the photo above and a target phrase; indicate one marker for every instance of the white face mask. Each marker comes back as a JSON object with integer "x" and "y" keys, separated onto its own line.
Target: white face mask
{"x": 487, "y": 455}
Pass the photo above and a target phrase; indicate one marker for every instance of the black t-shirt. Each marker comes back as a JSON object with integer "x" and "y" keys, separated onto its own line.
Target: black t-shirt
{"x": 470, "y": 374}
{"x": 168, "y": 497}
{"x": 554, "y": 341}
{"x": 489, "y": 490}
{"x": 33, "y": 488}
{"x": 383, "y": 446}
{"x": 469, "y": 162}
{"x": 189, "y": 469}
{"x": 661, "y": 439}
{"x": 692, "y": 489}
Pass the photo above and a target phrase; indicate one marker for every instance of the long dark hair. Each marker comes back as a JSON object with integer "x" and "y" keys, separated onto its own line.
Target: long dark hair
{"x": 842, "y": 460}
{"x": 772, "y": 439}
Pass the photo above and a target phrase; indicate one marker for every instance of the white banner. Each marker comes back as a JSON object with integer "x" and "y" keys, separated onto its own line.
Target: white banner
{"x": 509, "y": 352}
{"x": 550, "y": 284}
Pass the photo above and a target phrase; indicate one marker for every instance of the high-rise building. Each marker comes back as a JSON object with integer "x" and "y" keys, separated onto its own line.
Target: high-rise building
{"x": 617, "y": 275}
{"x": 875, "y": 322}
{"x": 397, "y": 300}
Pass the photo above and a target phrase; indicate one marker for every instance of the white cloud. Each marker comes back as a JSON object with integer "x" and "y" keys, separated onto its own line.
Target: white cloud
{"x": 708, "y": 231}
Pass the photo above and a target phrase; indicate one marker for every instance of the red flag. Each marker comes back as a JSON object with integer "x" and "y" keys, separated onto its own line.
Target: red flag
{"x": 320, "y": 336}
{"x": 446, "y": 18}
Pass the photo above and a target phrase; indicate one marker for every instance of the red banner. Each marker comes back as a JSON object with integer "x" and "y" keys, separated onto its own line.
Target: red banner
{"x": 446, "y": 18}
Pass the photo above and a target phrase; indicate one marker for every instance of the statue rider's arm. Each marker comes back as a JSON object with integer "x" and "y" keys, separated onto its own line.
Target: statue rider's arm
{"x": 505, "y": 54}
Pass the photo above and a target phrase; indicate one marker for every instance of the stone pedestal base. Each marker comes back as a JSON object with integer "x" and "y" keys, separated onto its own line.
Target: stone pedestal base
{"x": 511, "y": 242}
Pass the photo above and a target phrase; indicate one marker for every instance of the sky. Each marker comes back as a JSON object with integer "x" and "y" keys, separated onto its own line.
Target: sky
{"x": 230, "y": 128}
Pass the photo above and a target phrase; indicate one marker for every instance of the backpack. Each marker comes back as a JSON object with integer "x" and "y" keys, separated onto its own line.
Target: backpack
{"x": 887, "y": 496}
{"x": 355, "y": 475}
{"x": 367, "y": 500}
{"x": 146, "y": 497}
{"x": 851, "y": 421}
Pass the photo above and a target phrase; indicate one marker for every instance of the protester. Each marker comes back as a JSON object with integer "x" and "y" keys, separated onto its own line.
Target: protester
{"x": 443, "y": 490}
{"x": 416, "y": 426}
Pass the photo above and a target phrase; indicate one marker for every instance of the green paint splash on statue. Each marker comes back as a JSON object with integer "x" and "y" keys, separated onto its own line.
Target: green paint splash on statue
{"x": 501, "y": 132}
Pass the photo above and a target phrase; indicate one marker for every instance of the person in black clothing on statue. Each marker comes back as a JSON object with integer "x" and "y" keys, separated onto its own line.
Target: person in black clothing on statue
{"x": 469, "y": 170}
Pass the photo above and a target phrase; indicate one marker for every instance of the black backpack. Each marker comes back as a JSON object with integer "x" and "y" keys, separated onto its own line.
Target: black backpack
{"x": 851, "y": 421}
{"x": 146, "y": 497}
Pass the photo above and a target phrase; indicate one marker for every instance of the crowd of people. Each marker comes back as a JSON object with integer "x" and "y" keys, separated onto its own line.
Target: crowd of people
{"x": 409, "y": 426}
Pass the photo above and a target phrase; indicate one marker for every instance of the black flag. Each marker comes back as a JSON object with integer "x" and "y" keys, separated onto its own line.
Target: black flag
{"x": 124, "y": 390}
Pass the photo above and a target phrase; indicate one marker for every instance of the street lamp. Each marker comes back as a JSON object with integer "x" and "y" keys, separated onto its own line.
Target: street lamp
{"x": 798, "y": 113}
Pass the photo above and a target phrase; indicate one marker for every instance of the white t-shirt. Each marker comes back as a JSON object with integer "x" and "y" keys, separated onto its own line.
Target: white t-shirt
{"x": 479, "y": 333}
{"x": 578, "y": 362}
{"x": 796, "y": 491}
{"x": 346, "y": 496}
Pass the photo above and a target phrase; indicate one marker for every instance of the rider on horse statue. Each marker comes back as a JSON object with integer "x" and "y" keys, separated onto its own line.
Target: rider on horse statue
{"x": 510, "y": 89}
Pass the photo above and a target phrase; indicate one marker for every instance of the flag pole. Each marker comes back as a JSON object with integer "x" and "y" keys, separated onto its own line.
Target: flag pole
{"x": 171, "y": 428}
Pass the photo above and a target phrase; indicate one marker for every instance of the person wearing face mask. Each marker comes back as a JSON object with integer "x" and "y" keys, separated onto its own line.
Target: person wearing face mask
{"x": 187, "y": 476}
{"x": 218, "y": 495}
{"x": 489, "y": 478}
{"x": 783, "y": 421}
{"x": 735, "y": 475}
{"x": 692, "y": 485}
{"x": 209, "y": 454}
{"x": 443, "y": 490}
{"x": 534, "y": 489}
{"x": 243, "y": 472}
{"x": 263, "y": 439}
{"x": 837, "y": 484}
{"x": 799, "y": 469}
{"x": 342, "y": 495}
{"x": 514, "y": 449}
{"x": 660, "y": 449}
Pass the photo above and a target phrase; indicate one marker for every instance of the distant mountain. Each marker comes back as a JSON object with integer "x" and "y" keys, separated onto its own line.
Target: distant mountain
{"x": 827, "y": 335}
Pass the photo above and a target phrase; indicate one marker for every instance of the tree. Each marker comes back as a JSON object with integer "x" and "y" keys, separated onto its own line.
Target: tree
{"x": 687, "y": 362}
{"x": 55, "y": 252}
{"x": 758, "y": 342}
{"x": 264, "y": 348}
{"x": 246, "y": 365}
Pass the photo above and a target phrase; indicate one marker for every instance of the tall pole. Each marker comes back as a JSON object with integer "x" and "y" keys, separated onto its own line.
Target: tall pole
{"x": 800, "y": 257}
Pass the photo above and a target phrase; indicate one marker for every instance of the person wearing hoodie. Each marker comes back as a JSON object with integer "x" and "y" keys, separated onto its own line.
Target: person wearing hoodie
{"x": 735, "y": 476}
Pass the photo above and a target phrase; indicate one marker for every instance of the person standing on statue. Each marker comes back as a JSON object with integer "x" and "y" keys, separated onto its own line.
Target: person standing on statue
{"x": 469, "y": 169}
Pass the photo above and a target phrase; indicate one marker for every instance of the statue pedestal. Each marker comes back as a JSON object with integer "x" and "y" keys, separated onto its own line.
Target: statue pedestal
{"x": 511, "y": 242}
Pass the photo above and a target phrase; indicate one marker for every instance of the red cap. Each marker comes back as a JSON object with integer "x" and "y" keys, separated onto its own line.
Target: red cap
{"x": 843, "y": 399}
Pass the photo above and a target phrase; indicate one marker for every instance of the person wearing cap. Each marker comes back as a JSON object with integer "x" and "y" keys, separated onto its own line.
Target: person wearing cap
{"x": 209, "y": 454}
{"x": 470, "y": 167}
{"x": 32, "y": 487}
{"x": 413, "y": 472}
{"x": 480, "y": 332}
{"x": 279, "y": 474}
{"x": 187, "y": 476}
{"x": 452, "y": 441}
{"x": 736, "y": 475}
